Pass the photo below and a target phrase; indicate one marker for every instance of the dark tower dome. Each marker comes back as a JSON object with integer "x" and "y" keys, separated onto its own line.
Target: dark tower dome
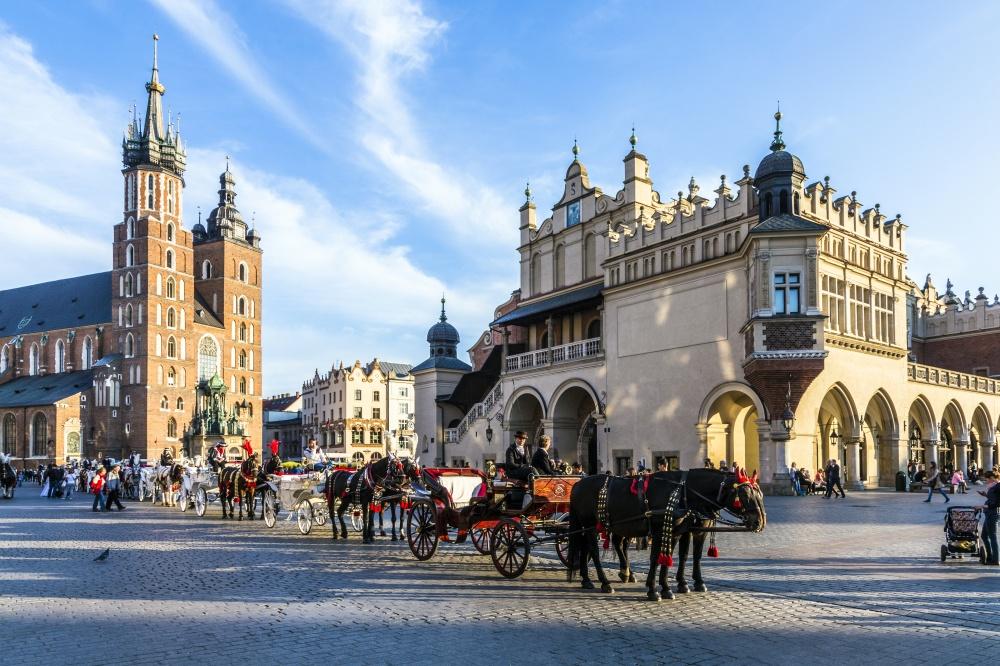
{"x": 225, "y": 219}
{"x": 779, "y": 178}
{"x": 443, "y": 334}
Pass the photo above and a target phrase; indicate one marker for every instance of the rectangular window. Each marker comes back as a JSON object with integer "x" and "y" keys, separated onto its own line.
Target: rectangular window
{"x": 833, "y": 303}
{"x": 376, "y": 413}
{"x": 357, "y": 394}
{"x": 404, "y": 391}
{"x": 376, "y": 395}
{"x": 355, "y": 437}
{"x": 786, "y": 293}
{"x": 861, "y": 310}
{"x": 884, "y": 318}
{"x": 404, "y": 407}
{"x": 357, "y": 413}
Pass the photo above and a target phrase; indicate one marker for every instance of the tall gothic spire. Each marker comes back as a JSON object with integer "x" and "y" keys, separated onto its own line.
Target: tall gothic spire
{"x": 153, "y": 129}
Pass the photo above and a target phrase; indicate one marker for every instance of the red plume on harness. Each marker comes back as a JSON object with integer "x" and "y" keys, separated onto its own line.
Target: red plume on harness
{"x": 753, "y": 479}
{"x": 741, "y": 476}
{"x": 713, "y": 550}
{"x": 665, "y": 560}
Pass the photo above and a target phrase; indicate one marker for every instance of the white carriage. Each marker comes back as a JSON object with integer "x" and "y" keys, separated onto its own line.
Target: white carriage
{"x": 301, "y": 495}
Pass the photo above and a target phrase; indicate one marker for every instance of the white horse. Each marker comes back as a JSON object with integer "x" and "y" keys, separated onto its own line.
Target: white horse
{"x": 165, "y": 478}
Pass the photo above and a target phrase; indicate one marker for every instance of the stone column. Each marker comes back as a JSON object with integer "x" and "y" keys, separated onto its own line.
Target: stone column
{"x": 765, "y": 453}
{"x": 962, "y": 455}
{"x": 987, "y": 447}
{"x": 603, "y": 445}
{"x": 930, "y": 452}
{"x": 853, "y": 471}
{"x": 899, "y": 458}
{"x": 702, "y": 431}
{"x": 551, "y": 340}
{"x": 506, "y": 349}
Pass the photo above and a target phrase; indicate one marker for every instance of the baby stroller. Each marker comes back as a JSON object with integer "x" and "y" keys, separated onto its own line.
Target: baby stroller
{"x": 961, "y": 534}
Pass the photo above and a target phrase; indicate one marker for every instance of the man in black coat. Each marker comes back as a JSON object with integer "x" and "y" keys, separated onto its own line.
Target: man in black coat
{"x": 833, "y": 479}
{"x": 541, "y": 461}
{"x": 516, "y": 461}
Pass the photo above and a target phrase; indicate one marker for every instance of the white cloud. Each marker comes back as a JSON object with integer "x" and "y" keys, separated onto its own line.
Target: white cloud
{"x": 59, "y": 180}
{"x": 389, "y": 40}
{"x": 219, "y": 34}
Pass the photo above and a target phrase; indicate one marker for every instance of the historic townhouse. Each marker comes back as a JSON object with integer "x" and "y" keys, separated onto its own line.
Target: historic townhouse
{"x": 360, "y": 412}
{"x": 161, "y": 352}
{"x": 772, "y": 324}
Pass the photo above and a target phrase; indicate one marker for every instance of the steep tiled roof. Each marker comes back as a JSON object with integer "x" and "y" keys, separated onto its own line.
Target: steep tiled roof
{"x": 785, "y": 223}
{"x": 69, "y": 303}
{"x": 44, "y": 390}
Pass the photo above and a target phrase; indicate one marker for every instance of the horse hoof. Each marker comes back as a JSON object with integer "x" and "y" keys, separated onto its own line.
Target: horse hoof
{"x": 652, "y": 595}
{"x": 587, "y": 585}
{"x": 682, "y": 588}
{"x": 393, "y": 537}
{"x": 667, "y": 594}
{"x": 607, "y": 589}
{"x": 631, "y": 578}
{"x": 623, "y": 576}
{"x": 700, "y": 587}
{"x": 381, "y": 532}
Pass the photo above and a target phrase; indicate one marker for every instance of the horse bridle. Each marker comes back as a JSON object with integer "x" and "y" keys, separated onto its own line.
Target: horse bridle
{"x": 718, "y": 504}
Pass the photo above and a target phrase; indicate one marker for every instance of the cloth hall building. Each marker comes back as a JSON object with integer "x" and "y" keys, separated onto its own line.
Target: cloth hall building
{"x": 163, "y": 350}
{"x": 769, "y": 323}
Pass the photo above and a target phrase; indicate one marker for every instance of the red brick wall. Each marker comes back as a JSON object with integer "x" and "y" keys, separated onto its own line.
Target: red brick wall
{"x": 963, "y": 352}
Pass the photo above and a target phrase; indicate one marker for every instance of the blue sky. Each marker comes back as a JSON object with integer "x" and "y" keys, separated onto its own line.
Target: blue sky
{"x": 384, "y": 146}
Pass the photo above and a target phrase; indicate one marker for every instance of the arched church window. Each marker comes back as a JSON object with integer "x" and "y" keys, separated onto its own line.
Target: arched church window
{"x": 87, "y": 354}
{"x": 129, "y": 346}
{"x": 128, "y": 285}
{"x": 33, "y": 359}
{"x": 170, "y": 207}
{"x": 241, "y": 306}
{"x": 164, "y": 403}
{"x": 243, "y": 385}
{"x": 170, "y": 230}
{"x": 149, "y": 191}
{"x": 171, "y": 318}
{"x": 39, "y": 435}
{"x": 130, "y": 229}
{"x": 172, "y": 428}
{"x": 60, "y": 356}
{"x": 171, "y": 347}
{"x": 9, "y": 434}
{"x": 243, "y": 360}
{"x": 243, "y": 332}
{"x": 180, "y": 404}
{"x": 242, "y": 273}
{"x": 208, "y": 358}
{"x": 206, "y": 270}
{"x": 171, "y": 377}
{"x": 130, "y": 256}
{"x": 170, "y": 258}
{"x": 4, "y": 359}
{"x": 170, "y": 287}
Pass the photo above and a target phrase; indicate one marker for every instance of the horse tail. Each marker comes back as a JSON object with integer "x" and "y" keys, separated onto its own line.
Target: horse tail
{"x": 576, "y": 545}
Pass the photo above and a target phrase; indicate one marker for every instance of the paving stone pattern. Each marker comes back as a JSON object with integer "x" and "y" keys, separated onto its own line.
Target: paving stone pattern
{"x": 840, "y": 581}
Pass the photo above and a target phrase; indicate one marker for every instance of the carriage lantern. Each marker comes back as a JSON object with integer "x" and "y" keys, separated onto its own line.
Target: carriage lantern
{"x": 835, "y": 438}
{"x": 788, "y": 419}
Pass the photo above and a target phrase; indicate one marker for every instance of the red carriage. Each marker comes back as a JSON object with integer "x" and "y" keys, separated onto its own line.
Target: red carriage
{"x": 460, "y": 503}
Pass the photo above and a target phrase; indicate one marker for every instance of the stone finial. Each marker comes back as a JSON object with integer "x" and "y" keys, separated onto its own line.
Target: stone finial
{"x": 746, "y": 170}
{"x": 632, "y": 140}
{"x": 981, "y": 296}
{"x": 576, "y": 151}
{"x": 996, "y": 299}
{"x": 928, "y": 282}
{"x": 527, "y": 192}
{"x": 692, "y": 188}
{"x": 778, "y": 143}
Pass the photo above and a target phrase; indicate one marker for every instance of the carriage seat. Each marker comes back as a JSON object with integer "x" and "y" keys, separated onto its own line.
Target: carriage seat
{"x": 462, "y": 490}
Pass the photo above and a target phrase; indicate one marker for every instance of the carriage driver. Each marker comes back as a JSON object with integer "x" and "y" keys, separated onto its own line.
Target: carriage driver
{"x": 166, "y": 458}
{"x": 516, "y": 463}
{"x": 217, "y": 457}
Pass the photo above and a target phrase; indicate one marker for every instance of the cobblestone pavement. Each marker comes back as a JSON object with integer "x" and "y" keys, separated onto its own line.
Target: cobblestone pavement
{"x": 845, "y": 581}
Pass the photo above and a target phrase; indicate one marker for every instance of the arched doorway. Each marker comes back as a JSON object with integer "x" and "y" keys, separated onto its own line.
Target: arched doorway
{"x": 981, "y": 439}
{"x": 729, "y": 420}
{"x": 838, "y": 435}
{"x": 574, "y": 429}
{"x": 525, "y": 411}
{"x": 952, "y": 436}
{"x": 879, "y": 437}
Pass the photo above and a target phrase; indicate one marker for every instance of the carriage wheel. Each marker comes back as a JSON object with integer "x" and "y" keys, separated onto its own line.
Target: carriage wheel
{"x": 357, "y": 520}
{"x": 421, "y": 530}
{"x": 321, "y": 513}
{"x": 481, "y": 540}
{"x": 304, "y": 517}
{"x": 944, "y": 552}
{"x": 184, "y": 501}
{"x": 510, "y": 548}
{"x": 270, "y": 510}
{"x": 200, "y": 502}
{"x": 562, "y": 550}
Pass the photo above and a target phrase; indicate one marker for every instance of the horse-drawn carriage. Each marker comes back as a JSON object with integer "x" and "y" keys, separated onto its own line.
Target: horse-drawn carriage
{"x": 303, "y": 496}
{"x": 490, "y": 510}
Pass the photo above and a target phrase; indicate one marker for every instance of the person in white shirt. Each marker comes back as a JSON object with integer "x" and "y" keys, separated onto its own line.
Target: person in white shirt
{"x": 314, "y": 455}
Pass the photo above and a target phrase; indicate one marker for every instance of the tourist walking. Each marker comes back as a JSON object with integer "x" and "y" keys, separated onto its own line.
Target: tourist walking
{"x": 796, "y": 481}
{"x": 114, "y": 486}
{"x": 70, "y": 484}
{"x": 990, "y": 509}
{"x": 833, "y": 484}
{"x": 958, "y": 483}
{"x": 934, "y": 483}
{"x": 97, "y": 488}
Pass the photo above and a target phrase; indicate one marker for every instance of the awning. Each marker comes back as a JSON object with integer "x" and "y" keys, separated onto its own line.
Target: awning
{"x": 553, "y": 305}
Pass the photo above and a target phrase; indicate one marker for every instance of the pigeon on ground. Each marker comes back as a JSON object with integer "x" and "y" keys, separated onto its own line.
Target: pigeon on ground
{"x": 103, "y": 556}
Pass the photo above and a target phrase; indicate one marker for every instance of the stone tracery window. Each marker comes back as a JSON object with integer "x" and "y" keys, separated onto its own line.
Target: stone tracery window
{"x": 208, "y": 358}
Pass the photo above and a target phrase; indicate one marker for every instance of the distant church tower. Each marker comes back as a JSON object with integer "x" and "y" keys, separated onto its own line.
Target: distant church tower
{"x": 153, "y": 290}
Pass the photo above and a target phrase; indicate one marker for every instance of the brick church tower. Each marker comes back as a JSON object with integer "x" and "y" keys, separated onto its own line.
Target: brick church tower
{"x": 152, "y": 290}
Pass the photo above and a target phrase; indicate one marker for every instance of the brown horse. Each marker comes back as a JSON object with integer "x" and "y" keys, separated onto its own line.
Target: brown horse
{"x": 238, "y": 485}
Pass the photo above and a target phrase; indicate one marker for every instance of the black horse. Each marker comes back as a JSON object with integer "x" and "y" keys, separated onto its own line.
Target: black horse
{"x": 625, "y": 508}
{"x": 238, "y": 485}
{"x": 8, "y": 478}
{"x": 392, "y": 499}
{"x": 272, "y": 466}
{"x": 363, "y": 488}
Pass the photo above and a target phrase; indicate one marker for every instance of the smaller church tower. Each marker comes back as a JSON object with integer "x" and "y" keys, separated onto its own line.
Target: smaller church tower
{"x": 228, "y": 284}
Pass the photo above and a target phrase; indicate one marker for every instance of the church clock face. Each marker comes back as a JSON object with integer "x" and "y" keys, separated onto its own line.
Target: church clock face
{"x": 573, "y": 214}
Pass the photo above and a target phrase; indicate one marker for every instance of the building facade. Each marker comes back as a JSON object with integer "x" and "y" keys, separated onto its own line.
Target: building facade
{"x": 129, "y": 356}
{"x": 771, "y": 325}
{"x": 360, "y": 413}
